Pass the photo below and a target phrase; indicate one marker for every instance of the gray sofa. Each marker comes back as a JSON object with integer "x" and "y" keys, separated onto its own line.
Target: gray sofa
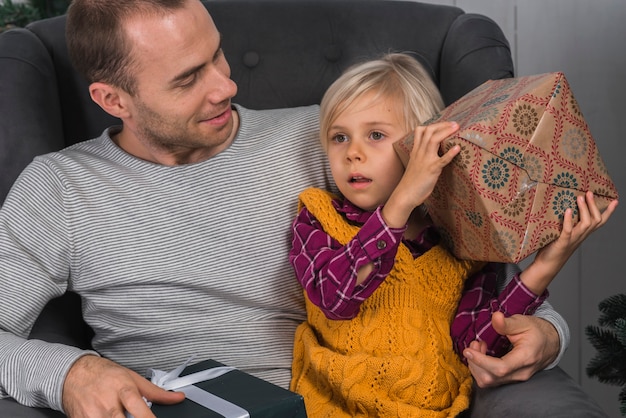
{"x": 282, "y": 54}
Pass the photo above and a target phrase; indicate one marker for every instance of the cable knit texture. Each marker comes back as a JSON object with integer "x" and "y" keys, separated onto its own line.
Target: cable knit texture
{"x": 395, "y": 359}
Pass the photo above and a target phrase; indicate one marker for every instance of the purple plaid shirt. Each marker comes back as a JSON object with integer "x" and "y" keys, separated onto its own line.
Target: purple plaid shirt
{"x": 328, "y": 270}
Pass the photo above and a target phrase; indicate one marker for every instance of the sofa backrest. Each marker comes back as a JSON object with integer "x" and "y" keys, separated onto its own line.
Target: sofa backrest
{"x": 283, "y": 53}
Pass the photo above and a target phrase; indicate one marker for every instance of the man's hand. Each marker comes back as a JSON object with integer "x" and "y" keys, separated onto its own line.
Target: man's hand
{"x": 535, "y": 345}
{"x": 97, "y": 387}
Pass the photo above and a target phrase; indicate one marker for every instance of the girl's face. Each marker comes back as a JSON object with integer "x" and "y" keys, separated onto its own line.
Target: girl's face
{"x": 360, "y": 140}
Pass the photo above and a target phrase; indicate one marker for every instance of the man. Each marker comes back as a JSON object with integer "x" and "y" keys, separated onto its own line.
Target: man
{"x": 150, "y": 223}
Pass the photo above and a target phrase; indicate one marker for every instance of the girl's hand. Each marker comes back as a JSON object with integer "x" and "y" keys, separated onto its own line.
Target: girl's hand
{"x": 551, "y": 258}
{"x": 422, "y": 172}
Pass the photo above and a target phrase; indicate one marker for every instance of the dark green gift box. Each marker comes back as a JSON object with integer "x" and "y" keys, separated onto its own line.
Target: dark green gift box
{"x": 260, "y": 398}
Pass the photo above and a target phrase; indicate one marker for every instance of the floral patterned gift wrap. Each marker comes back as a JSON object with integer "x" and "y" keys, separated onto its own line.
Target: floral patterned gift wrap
{"x": 526, "y": 153}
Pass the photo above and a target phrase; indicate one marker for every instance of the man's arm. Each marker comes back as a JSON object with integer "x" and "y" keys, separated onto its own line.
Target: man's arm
{"x": 547, "y": 312}
{"x": 32, "y": 371}
{"x": 34, "y": 268}
{"x": 35, "y": 259}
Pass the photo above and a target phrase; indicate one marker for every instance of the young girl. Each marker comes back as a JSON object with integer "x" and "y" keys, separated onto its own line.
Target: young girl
{"x": 381, "y": 293}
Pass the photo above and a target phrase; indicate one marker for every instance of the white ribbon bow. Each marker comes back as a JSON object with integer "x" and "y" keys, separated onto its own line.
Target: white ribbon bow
{"x": 171, "y": 381}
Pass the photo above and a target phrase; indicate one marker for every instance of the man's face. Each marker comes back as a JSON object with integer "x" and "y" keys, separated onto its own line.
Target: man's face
{"x": 182, "y": 104}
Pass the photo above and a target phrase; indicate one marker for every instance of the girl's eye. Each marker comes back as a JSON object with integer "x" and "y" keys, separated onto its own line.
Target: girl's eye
{"x": 377, "y": 136}
{"x": 339, "y": 138}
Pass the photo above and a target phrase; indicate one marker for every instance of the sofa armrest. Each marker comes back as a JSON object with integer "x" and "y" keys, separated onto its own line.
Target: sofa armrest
{"x": 9, "y": 408}
{"x": 549, "y": 393}
{"x": 472, "y": 56}
{"x": 30, "y": 104}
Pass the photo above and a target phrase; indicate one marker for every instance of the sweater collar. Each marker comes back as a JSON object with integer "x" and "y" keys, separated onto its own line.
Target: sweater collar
{"x": 425, "y": 240}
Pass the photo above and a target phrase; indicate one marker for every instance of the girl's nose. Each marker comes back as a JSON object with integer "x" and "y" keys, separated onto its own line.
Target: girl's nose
{"x": 355, "y": 153}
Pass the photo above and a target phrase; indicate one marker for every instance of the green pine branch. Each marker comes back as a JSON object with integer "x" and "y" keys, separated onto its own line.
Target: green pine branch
{"x": 17, "y": 14}
{"x": 613, "y": 308}
{"x": 609, "y": 339}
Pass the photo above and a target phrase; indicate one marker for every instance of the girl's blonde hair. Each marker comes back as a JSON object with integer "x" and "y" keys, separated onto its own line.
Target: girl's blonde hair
{"x": 394, "y": 76}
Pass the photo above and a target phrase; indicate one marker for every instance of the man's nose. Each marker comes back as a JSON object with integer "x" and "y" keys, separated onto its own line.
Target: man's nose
{"x": 221, "y": 87}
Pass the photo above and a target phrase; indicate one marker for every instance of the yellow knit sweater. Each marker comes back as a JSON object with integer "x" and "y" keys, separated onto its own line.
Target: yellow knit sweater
{"x": 395, "y": 359}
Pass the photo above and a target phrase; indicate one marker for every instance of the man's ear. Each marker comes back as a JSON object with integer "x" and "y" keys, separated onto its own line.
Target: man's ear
{"x": 111, "y": 99}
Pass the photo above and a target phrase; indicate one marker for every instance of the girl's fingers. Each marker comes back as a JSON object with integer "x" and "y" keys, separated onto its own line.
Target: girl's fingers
{"x": 608, "y": 211}
{"x": 439, "y": 131}
{"x": 590, "y": 218}
{"x": 584, "y": 218}
{"x": 431, "y": 136}
{"x": 568, "y": 222}
{"x": 592, "y": 207}
{"x": 590, "y": 214}
{"x": 450, "y": 154}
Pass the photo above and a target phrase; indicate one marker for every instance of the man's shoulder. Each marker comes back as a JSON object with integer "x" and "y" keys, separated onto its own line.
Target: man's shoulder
{"x": 81, "y": 151}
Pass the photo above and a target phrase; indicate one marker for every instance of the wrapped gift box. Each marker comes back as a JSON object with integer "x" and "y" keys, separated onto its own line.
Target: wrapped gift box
{"x": 258, "y": 397}
{"x": 526, "y": 153}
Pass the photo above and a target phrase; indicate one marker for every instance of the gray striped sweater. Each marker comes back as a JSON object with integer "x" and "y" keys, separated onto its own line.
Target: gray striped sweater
{"x": 170, "y": 261}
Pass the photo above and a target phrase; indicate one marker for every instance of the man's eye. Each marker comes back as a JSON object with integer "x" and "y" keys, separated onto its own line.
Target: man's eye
{"x": 339, "y": 138}
{"x": 189, "y": 81}
{"x": 377, "y": 136}
{"x": 219, "y": 54}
